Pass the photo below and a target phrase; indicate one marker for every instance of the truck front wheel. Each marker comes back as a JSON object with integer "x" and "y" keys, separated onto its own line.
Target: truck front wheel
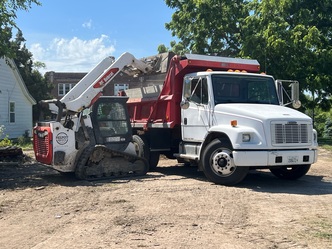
{"x": 291, "y": 172}
{"x": 218, "y": 164}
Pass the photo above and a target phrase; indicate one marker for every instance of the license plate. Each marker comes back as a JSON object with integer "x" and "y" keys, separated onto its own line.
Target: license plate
{"x": 293, "y": 159}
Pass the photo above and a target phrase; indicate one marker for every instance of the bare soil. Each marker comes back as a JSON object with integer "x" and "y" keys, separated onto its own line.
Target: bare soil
{"x": 174, "y": 207}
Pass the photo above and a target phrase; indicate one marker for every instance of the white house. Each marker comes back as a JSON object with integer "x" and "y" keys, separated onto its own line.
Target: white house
{"x": 15, "y": 102}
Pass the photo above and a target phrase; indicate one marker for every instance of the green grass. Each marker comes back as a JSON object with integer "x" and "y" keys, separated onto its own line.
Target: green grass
{"x": 28, "y": 146}
{"x": 325, "y": 143}
{"x": 323, "y": 235}
{"x": 327, "y": 147}
{"x": 323, "y": 229}
{"x": 24, "y": 145}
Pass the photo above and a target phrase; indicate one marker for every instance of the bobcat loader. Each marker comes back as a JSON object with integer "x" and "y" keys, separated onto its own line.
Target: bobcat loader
{"x": 91, "y": 134}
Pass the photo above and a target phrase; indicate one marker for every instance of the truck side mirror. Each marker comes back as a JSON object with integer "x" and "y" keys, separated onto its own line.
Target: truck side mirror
{"x": 187, "y": 88}
{"x": 296, "y": 95}
{"x": 184, "y": 104}
{"x": 283, "y": 91}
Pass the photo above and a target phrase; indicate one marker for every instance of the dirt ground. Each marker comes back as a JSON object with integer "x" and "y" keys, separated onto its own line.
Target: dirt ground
{"x": 174, "y": 207}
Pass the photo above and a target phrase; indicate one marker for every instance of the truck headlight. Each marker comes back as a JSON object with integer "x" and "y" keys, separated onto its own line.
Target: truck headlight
{"x": 315, "y": 136}
{"x": 246, "y": 138}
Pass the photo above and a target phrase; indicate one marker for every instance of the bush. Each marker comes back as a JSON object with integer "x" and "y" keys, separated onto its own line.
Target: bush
{"x": 24, "y": 139}
{"x": 2, "y": 130}
{"x": 327, "y": 133}
{"x": 5, "y": 141}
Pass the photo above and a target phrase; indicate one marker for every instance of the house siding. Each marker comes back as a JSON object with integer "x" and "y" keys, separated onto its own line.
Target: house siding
{"x": 12, "y": 89}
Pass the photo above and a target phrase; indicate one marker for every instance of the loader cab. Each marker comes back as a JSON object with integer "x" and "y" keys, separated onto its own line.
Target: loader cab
{"x": 111, "y": 124}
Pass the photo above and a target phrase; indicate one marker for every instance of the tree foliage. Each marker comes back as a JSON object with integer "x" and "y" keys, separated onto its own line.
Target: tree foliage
{"x": 208, "y": 26}
{"x": 292, "y": 39}
{"x": 37, "y": 85}
{"x": 328, "y": 128}
{"x": 175, "y": 47}
{"x": 8, "y": 9}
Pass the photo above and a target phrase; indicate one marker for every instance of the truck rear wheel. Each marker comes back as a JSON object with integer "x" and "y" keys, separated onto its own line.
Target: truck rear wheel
{"x": 143, "y": 150}
{"x": 218, "y": 164}
{"x": 154, "y": 159}
{"x": 140, "y": 147}
{"x": 291, "y": 172}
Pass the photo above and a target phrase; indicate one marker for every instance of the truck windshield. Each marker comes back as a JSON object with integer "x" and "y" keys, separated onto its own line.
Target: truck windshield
{"x": 243, "y": 89}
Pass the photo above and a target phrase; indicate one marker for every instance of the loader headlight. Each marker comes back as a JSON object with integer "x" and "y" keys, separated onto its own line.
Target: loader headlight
{"x": 42, "y": 134}
{"x": 246, "y": 137}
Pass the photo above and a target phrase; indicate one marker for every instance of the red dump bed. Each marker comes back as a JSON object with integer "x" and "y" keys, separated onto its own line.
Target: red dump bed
{"x": 164, "y": 111}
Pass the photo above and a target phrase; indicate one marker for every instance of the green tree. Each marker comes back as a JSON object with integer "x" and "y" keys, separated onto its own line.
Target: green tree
{"x": 8, "y": 9}
{"x": 208, "y": 26}
{"x": 292, "y": 40}
{"x": 162, "y": 48}
{"x": 328, "y": 128}
{"x": 177, "y": 48}
{"x": 320, "y": 119}
{"x": 35, "y": 82}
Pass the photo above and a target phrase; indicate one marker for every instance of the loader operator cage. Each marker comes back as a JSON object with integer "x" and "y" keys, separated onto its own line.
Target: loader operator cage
{"x": 112, "y": 119}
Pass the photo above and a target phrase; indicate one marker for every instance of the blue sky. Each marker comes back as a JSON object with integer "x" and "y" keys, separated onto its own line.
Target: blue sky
{"x": 73, "y": 36}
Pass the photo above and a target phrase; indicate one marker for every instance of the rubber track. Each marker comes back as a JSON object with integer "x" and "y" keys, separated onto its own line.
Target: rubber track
{"x": 85, "y": 164}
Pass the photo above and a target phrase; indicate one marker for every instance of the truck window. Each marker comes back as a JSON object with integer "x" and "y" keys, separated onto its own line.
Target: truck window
{"x": 199, "y": 91}
{"x": 244, "y": 89}
{"x": 259, "y": 91}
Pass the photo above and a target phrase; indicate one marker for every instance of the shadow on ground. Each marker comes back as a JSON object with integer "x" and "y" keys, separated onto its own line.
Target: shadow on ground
{"x": 34, "y": 175}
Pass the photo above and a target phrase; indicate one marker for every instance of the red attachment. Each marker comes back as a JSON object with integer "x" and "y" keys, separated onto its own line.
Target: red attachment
{"x": 42, "y": 144}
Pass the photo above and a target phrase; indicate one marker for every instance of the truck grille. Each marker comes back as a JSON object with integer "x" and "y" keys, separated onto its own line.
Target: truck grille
{"x": 290, "y": 133}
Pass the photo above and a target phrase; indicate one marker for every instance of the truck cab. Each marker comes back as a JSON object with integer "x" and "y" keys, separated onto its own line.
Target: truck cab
{"x": 242, "y": 114}
{"x": 209, "y": 91}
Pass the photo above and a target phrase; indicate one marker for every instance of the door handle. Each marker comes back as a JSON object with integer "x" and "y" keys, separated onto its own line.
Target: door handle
{"x": 185, "y": 121}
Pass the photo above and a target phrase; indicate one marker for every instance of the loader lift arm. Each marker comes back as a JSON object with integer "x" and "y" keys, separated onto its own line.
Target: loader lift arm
{"x": 90, "y": 88}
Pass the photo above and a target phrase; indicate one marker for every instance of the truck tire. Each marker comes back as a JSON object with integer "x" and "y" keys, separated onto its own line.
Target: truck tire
{"x": 143, "y": 150}
{"x": 154, "y": 159}
{"x": 291, "y": 172}
{"x": 140, "y": 148}
{"x": 218, "y": 165}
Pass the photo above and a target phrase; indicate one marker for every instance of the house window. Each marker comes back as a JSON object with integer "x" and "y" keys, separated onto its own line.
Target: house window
{"x": 11, "y": 112}
{"x": 120, "y": 87}
{"x": 64, "y": 88}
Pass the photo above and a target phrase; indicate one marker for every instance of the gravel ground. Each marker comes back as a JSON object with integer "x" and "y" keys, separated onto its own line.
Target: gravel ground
{"x": 173, "y": 207}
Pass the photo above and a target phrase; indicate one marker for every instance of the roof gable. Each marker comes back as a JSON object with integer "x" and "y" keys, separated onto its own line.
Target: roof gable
{"x": 17, "y": 76}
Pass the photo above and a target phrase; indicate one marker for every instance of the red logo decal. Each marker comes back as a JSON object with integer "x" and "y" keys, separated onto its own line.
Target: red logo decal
{"x": 106, "y": 78}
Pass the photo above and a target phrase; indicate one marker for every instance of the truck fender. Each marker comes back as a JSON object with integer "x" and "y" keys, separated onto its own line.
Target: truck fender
{"x": 210, "y": 137}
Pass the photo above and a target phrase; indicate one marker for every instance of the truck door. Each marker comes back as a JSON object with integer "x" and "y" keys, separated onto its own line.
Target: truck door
{"x": 196, "y": 119}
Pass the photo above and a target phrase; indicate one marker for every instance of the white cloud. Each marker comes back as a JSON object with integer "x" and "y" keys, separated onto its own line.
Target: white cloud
{"x": 72, "y": 55}
{"x": 87, "y": 25}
